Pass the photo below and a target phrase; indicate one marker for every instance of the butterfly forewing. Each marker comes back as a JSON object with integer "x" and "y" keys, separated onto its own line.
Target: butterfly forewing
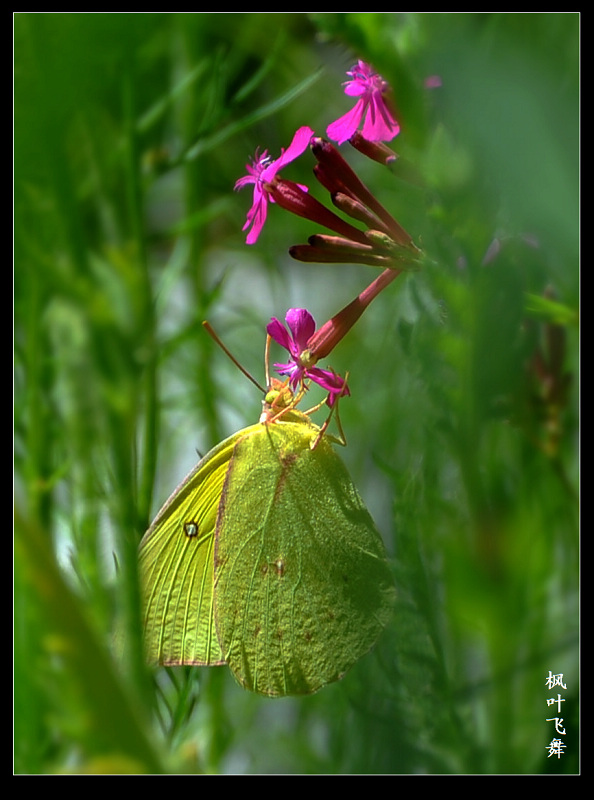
{"x": 176, "y": 559}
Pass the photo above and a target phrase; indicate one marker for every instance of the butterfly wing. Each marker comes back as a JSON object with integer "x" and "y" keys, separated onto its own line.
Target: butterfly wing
{"x": 302, "y": 584}
{"x": 176, "y": 557}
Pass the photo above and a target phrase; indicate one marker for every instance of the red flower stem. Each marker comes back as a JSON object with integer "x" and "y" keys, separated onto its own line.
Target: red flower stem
{"x": 356, "y": 210}
{"x": 324, "y": 255}
{"x": 327, "y": 337}
{"x": 292, "y": 197}
{"x": 378, "y": 151}
{"x": 328, "y": 155}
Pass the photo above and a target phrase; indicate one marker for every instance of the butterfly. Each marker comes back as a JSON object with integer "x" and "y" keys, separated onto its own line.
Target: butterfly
{"x": 266, "y": 559}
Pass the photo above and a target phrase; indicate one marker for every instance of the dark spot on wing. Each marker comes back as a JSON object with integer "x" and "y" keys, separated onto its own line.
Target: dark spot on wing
{"x": 191, "y": 529}
{"x": 279, "y": 566}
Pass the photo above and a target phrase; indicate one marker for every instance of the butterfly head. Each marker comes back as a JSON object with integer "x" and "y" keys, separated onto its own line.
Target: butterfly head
{"x": 280, "y": 403}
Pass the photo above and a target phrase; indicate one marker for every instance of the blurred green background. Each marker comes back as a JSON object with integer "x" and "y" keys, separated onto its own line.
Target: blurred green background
{"x": 462, "y": 428}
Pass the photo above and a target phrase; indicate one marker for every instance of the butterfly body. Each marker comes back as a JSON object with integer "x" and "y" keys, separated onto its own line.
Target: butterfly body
{"x": 265, "y": 558}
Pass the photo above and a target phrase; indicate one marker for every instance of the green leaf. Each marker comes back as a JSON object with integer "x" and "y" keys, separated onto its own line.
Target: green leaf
{"x": 551, "y": 310}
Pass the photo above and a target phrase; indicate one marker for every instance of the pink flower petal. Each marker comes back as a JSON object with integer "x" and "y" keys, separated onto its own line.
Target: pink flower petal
{"x": 262, "y": 171}
{"x": 298, "y": 145}
{"x": 279, "y": 333}
{"x": 343, "y": 128}
{"x": 302, "y": 326}
{"x": 371, "y": 109}
{"x": 379, "y": 125}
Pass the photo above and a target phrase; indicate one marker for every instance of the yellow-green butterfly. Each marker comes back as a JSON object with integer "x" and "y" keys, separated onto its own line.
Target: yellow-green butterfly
{"x": 266, "y": 559}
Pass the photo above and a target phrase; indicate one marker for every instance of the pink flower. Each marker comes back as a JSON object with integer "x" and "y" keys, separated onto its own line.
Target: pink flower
{"x": 379, "y": 124}
{"x": 302, "y": 326}
{"x": 262, "y": 171}
{"x": 433, "y": 82}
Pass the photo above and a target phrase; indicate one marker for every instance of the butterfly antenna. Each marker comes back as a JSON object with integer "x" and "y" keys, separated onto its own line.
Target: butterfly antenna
{"x": 267, "y": 359}
{"x": 211, "y": 332}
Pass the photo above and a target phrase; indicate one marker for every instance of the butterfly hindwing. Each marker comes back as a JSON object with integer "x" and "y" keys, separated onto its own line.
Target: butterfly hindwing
{"x": 302, "y": 585}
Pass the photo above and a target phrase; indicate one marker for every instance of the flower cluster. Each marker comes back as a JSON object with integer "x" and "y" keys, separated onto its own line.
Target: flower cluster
{"x": 382, "y": 242}
{"x": 371, "y": 111}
